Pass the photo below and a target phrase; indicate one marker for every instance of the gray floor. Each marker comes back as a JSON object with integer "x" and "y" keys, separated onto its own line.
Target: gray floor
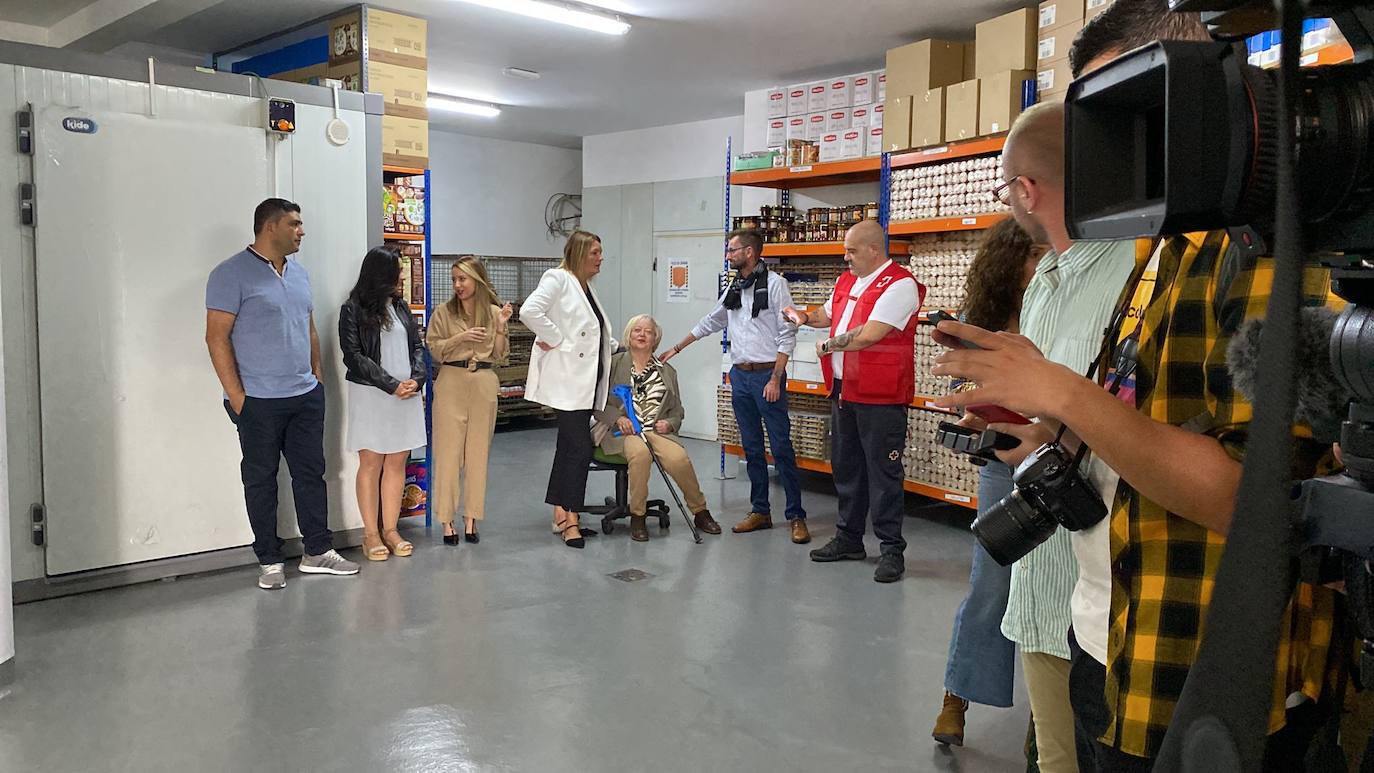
{"x": 517, "y": 655}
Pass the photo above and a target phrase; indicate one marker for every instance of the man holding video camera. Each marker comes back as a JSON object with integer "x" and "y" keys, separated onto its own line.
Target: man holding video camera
{"x": 1171, "y": 423}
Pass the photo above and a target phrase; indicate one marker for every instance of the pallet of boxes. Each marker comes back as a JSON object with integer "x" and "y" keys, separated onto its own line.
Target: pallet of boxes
{"x": 392, "y": 61}
{"x": 1058, "y": 26}
{"x": 836, "y": 119}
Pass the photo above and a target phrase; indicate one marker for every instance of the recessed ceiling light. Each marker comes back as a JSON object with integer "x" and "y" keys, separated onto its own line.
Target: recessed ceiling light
{"x": 574, "y": 15}
{"x": 521, "y": 73}
{"x": 452, "y": 104}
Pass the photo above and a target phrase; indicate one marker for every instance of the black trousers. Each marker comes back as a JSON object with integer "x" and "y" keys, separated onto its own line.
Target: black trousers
{"x": 571, "y": 459}
{"x": 269, "y": 429}
{"x": 866, "y": 457}
{"x": 1285, "y": 751}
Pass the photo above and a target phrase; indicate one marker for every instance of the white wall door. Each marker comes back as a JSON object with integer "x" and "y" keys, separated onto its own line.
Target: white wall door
{"x": 698, "y": 367}
{"x": 139, "y": 459}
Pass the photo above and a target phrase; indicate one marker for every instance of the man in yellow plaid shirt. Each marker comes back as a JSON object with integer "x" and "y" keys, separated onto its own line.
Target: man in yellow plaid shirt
{"x": 1176, "y": 435}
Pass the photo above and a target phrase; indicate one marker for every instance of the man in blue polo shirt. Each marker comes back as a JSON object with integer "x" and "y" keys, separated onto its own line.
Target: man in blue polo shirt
{"x": 261, "y": 334}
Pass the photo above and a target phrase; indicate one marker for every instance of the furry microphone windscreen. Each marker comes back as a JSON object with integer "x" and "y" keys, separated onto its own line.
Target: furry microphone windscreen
{"x": 1322, "y": 400}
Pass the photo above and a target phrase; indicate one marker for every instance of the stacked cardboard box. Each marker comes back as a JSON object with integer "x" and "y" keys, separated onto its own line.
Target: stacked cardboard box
{"x": 917, "y": 74}
{"x": 839, "y": 114}
{"x": 395, "y": 66}
{"x": 1059, "y": 23}
{"x": 1005, "y": 62}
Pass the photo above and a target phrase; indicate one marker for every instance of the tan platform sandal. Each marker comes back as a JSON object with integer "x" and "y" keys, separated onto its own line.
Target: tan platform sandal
{"x": 374, "y": 548}
{"x": 398, "y": 544}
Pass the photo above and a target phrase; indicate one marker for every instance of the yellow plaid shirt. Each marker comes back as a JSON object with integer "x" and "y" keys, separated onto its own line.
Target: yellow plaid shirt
{"x": 1164, "y": 566}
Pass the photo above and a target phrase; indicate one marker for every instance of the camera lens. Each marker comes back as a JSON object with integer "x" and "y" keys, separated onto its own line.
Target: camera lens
{"x": 1012, "y": 528}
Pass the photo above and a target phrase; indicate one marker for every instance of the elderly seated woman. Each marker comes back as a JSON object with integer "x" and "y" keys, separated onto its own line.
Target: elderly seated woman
{"x": 658, "y": 406}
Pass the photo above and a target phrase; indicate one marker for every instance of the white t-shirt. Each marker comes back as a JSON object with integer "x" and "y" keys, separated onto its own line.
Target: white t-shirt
{"x": 1091, "y": 603}
{"x": 894, "y": 307}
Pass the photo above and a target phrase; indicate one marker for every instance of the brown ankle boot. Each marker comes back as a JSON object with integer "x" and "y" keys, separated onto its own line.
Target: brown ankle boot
{"x": 639, "y": 528}
{"x": 949, "y": 726}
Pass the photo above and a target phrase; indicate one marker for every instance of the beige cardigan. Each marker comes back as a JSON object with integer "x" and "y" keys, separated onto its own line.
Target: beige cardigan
{"x": 621, "y": 368}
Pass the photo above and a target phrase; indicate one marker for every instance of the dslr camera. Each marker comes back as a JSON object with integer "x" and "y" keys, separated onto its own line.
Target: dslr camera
{"x": 1049, "y": 492}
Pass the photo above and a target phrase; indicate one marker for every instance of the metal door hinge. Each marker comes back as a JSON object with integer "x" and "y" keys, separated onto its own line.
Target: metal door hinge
{"x": 27, "y": 210}
{"x": 23, "y": 128}
{"x": 38, "y": 515}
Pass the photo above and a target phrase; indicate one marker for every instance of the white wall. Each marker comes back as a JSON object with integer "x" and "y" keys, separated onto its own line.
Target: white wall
{"x": 489, "y": 195}
{"x": 684, "y": 151}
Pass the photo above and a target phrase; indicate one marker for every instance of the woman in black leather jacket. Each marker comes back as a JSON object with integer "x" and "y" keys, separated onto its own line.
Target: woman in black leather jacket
{"x": 384, "y": 355}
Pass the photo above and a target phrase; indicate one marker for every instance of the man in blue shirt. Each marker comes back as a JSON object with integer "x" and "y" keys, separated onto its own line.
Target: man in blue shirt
{"x": 260, "y": 330}
{"x": 761, "y": 342}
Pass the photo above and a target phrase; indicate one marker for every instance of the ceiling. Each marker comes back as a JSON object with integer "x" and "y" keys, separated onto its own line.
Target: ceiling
{"x": 684, "y": 60}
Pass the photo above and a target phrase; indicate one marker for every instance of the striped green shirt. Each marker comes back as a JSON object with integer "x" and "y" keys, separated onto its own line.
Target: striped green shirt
{"x": 1066, "y": 309}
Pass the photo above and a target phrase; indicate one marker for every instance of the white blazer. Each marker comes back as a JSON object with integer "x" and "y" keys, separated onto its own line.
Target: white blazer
{"x": 564, "y": 377}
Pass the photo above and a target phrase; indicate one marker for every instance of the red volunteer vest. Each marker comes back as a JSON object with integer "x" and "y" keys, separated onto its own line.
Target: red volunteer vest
{"x": 884, "y": 373}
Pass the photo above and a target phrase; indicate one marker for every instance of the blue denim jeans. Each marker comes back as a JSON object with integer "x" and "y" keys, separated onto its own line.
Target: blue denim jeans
{"x": 752, "y": 415}
{"x": 981, "y": 667}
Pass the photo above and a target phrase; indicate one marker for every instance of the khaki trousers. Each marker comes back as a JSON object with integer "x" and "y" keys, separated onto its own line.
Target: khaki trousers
{"x": 675, "y": 461}
{"x": 1047, "y": 681}
{"x": 464, "y": 419}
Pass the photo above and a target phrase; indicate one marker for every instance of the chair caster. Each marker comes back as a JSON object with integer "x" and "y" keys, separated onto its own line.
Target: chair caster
{"x": 608, "y": 525}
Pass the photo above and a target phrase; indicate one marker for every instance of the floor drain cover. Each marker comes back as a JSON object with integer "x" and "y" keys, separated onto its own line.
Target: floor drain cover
{"x": 630, "y": 575}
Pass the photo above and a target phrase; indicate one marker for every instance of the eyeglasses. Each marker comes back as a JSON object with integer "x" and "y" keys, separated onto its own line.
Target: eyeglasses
{"x": 1003, "y": 191}
{"x": 732, "y": 250}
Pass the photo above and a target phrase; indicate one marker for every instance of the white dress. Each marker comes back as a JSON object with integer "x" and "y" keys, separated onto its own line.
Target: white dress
{"x": 378, "y": 421}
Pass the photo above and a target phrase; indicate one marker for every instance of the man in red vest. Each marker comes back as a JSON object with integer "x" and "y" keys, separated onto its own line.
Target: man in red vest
{"x": 869, "y": 370}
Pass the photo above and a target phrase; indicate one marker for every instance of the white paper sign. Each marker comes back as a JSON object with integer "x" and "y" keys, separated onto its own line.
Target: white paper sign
{"x": 679, "y": 281}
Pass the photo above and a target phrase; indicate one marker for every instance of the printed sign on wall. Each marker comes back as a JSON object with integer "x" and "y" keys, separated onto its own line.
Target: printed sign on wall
{"x": 679, "y": 281}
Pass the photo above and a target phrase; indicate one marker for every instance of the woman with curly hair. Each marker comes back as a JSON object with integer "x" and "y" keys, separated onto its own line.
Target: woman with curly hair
{"x": 981, "y": 666}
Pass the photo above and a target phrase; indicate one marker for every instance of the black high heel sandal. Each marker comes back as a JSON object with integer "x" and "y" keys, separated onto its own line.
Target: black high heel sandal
{"x": 472, "y": 536}
{"x": 575, "y": 542}
{"x": 454, "y": 539}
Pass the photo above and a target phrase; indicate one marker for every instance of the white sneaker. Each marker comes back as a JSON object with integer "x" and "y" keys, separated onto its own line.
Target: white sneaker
{"x": 271, "y": 576}
{"x": 328, "y": 562}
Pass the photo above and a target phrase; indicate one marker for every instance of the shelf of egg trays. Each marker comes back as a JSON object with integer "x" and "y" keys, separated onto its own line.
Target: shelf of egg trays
{"x": 926, "y": 461}
{"x": 949, "y": 189}
{"x": 926, "y": 352}
{"x": 941, "y": 263}
{"x": 810, "y": 431}
{"x": 810, "y": 280}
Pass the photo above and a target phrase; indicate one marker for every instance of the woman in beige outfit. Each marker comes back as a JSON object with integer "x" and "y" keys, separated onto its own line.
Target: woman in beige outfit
{"x": 468, "y": 338}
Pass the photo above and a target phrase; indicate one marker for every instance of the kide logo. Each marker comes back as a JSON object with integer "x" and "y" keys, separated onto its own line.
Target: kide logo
{"x": 79, "y": 125}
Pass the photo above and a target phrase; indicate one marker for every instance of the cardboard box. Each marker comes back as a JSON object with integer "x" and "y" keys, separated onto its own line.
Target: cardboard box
{"x": 874, "y": 145}
{"x": 961, "y": 110}
{"x": 928, "y": 118}
{"x": 815, "y": 126}
{"x": 1058, "y": 13}
{"x": 852, "y": 143}
{"x": 831, "y": 147}
{"x": 777, "y": 103}
{"x": 838, "y": 120}
{"x": 999, "y": 100}
{"x": 1053, "y": 77}
{"x": 897, "y": 123}
{"x": 865, "y": 88}
{"x": 1093, "y": 8}
{"x": 796, "y": 127}
{"x": 345, "y": 38}
{"x": 841, "y": 93}
{"x": 405, "y": 90}
{"x": 1006, "y": 43}
{"x": 797, "y": 99}
{"x": 303, "y": 75}
{"x": 1054, "y": 44}
{"x": 776, "y": 136}
{"x": 924, "y": 65}
{"x": 349, "y": 74}
{"x": 970, "y": 60}
{"x": 875, "y": 118}
{"x": 396, "y": 39}
{"x": 859, "y": 117}
{"x": 405, "y": 142}
{"x": 818, "y": 96}
{"x": 880, "y": 87}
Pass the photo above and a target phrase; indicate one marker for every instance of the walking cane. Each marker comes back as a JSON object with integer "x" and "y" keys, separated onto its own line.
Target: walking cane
{"x": 627, "y": 399}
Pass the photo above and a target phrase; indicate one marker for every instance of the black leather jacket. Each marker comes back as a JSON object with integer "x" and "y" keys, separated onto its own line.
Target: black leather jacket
{"x": 362, "y": 350}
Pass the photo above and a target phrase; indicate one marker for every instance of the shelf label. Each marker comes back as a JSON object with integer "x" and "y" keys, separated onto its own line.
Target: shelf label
{"x": 799, "y": 169}
{"x": 960, "y": 498}
{"x": 932, "y": 406}
{"x": 969, "y": 221}
{"x": 1308, "y": 60}
{"x": 813, "y": 387}
{"x": 935, "y": 151}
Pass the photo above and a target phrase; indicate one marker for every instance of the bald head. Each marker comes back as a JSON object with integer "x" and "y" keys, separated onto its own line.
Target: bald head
{"x": 1035, "y": 146}
{"x": 864, "y": 247}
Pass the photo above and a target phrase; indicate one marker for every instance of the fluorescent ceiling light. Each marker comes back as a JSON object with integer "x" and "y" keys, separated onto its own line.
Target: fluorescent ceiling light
{"x": 460, "y": 105}
{"x": 583, "y": 17}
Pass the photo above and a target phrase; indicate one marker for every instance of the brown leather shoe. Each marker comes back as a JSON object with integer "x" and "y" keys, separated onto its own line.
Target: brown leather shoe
{"x": 800, "y": 534}
{"x": 706, "y": 523}
{"x": 949, "y": 726}
{"x": 639, "y": 529}
{"x": 753, "y": 522}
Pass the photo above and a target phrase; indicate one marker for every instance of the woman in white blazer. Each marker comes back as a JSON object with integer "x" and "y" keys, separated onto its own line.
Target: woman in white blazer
{"x": 570, "y": 369}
